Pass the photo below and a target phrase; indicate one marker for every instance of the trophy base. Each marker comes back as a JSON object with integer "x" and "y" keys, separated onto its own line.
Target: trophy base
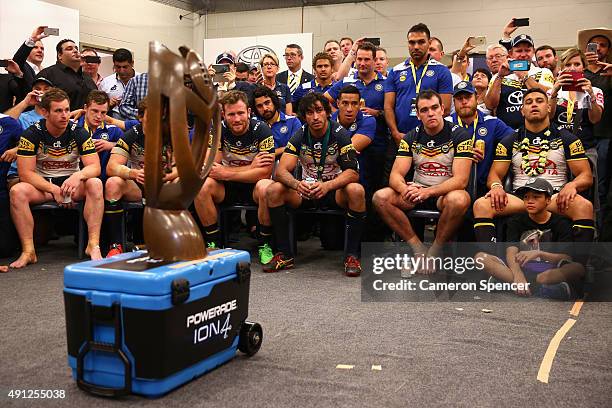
{"x": 172, "y": 235}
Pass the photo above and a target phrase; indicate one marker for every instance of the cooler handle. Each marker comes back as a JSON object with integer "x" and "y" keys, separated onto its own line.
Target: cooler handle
{"x": 92, "y": 345}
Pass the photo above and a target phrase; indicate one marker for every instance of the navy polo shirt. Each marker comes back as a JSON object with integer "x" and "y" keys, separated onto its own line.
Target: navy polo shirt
{"x": 374, "y": 96}
{"x": 400, "y": 80}
{"x": 306, "y": 88}
{"x": 363, "y": 125}
{"x": 10, "y": 131}
{"x": 110, "y": 133}
{"x": 490, "y": 129}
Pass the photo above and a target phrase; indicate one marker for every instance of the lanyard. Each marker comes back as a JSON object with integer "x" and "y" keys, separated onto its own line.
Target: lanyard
{"x": 321, "y": 165}
{"x": 467, "y": 127}
{"x": 414, "y": 76}
{"x": 570, "y": 105}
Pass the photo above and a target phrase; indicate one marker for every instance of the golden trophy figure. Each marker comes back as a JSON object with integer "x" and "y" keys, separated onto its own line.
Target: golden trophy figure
{"x": 177, "y": 83}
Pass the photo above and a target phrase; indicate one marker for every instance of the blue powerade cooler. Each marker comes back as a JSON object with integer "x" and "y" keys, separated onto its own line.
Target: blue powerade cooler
{"x": 143, "y": 326}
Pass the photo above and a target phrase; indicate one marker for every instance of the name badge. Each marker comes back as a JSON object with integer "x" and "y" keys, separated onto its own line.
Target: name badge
{"x": 413, "y": 111}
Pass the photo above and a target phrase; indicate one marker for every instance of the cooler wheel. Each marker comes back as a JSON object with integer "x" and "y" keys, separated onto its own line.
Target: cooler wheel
{"x": 251, "y": 336}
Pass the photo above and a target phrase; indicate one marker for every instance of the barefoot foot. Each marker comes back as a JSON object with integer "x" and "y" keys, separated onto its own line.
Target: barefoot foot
{"x": 24, "y": 260}
{"x": 94, "y": 252}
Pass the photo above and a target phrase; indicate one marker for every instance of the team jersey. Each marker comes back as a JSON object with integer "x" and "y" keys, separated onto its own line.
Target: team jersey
{"x": 511, "y": 97}
{"x": 132, "y": 146}
{"x": 583, "y": 102}
{"x": 110, "y": 133}
{"x": 340, "y": 155}
{"x": 10, "y": 130}
{"x": 436, "y": 77}
{"x": 241, "y": 150}
{"x": 432, "y": 156}
{"x": 558, "y": 146}
{"x": 364, "y": 125}
{"x": 489, "y": 129}
{"x": 306, "y": 88}
{"x": 373, "y": 96}
{"x": 55, "y": 156}
{"x": 284, "y": 128}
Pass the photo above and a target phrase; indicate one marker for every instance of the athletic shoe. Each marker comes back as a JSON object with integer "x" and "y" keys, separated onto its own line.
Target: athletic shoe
{"x": 265, "y": 254}
{"x": 211, "y": 245}
{"x": 352, "y": 266}
{"x": 115, "y": 249}
{"x": 278, "y": 263}
{"x": 557, "y": 291}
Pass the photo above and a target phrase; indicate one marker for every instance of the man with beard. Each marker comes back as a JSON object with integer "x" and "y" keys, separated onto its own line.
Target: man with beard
{"x": 546, "y": 57}
{"x": 266, "y": 107}
{"x": 242, "y": 167}
{"x": 330, "y": 175}
{"x": 487, "y": 131}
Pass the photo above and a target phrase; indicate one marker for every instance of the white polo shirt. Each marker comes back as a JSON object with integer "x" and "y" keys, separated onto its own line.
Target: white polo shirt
{"x": 113, "y": 86}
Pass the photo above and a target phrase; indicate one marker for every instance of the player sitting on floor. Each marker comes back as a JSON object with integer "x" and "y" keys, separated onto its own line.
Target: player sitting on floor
{"x": 330, "y": 175}
{"x": 242, "y": 168}
{"x": 48, "y": 165}
{"x": 535, "y": 262}
{"x": 442, "y": 155}
{"x": 538, "y": 150}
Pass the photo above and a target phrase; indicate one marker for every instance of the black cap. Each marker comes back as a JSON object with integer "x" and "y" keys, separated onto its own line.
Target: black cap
{"x": 522, "y": 38}
{"x": 536, "y": 184}
{"x": 42, "y": 79}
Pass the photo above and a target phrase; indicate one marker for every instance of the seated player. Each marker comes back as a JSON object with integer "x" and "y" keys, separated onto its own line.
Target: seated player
{"x": 330, "y": 175}
{"x": 538, "y": 150}
{"x": 125, "y": 172}
{"x": 486, "y": 130}
{"x": 103, "y": 135}
{"x": 442, "y": 157}
{"x": 242, "y": 168}
{"x": 48, "y": 165}
{"x": 266, "y": 106}
{"x": 533, "y": 262}
{"x": 360, "y": 126}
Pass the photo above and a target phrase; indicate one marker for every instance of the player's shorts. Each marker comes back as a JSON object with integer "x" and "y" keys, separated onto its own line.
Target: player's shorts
{"x": 238, "y": 193}
{"x": 326, "y": 203}
{"x": 58, "y": 181}
{"x": 428, "y": 205}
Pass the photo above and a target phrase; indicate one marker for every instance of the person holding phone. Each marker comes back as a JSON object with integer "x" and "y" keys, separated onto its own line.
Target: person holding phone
{"x": 572, "y": 94}
{"x": 90, "y": 62}
{"x": 30, "y": 56}
{"x": 514, "y": 78}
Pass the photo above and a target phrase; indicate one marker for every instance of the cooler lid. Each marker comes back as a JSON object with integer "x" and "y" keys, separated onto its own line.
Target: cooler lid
{"x": 136, "y": 273}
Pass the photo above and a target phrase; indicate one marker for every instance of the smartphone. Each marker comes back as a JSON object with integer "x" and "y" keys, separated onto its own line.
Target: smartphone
{"x": 592, "y": 47}
{"x": 475, "y": 41}
{"x": 51, "y": 31}
{"x": 3, "y": 63}
{"x": 92, "y": 59}
{"x": 574, "y": 86}
{"x": 220, "y": 69}
{"x": 518, "y": 65}
{"x": 521, "y": 22}
{"x": 373, "y": 40}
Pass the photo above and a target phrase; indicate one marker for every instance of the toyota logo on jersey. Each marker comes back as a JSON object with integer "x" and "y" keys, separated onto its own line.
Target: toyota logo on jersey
{"x": 435, "y": 169}
{"x": 515, "y": 98}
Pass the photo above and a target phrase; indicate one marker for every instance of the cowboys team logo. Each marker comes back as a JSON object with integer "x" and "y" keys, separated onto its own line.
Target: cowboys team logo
{"x": 515, "y": 98}
{"x": 251, "y": 55}
{"x": 253, "y": 149}
{"x": 430, "y": 73}
{"x": 378, "y": 87}
{"x": 353, "y": 127}
{"x": 104, "y": 136}
{"x": 554, "y": 145}
{"x": 445, "y": 149}
{"x": 284, "y": 129}
{"x": 483, "y": 131}
{"x": 331, "y": 151}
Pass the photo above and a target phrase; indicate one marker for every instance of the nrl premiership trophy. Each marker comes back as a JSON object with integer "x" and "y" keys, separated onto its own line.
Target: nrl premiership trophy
{"x": 177, "y": 84}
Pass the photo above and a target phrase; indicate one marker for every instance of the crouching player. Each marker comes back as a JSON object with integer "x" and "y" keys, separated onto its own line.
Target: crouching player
{"x": 330, "y": 175}
{"x": 531, "y": 262}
